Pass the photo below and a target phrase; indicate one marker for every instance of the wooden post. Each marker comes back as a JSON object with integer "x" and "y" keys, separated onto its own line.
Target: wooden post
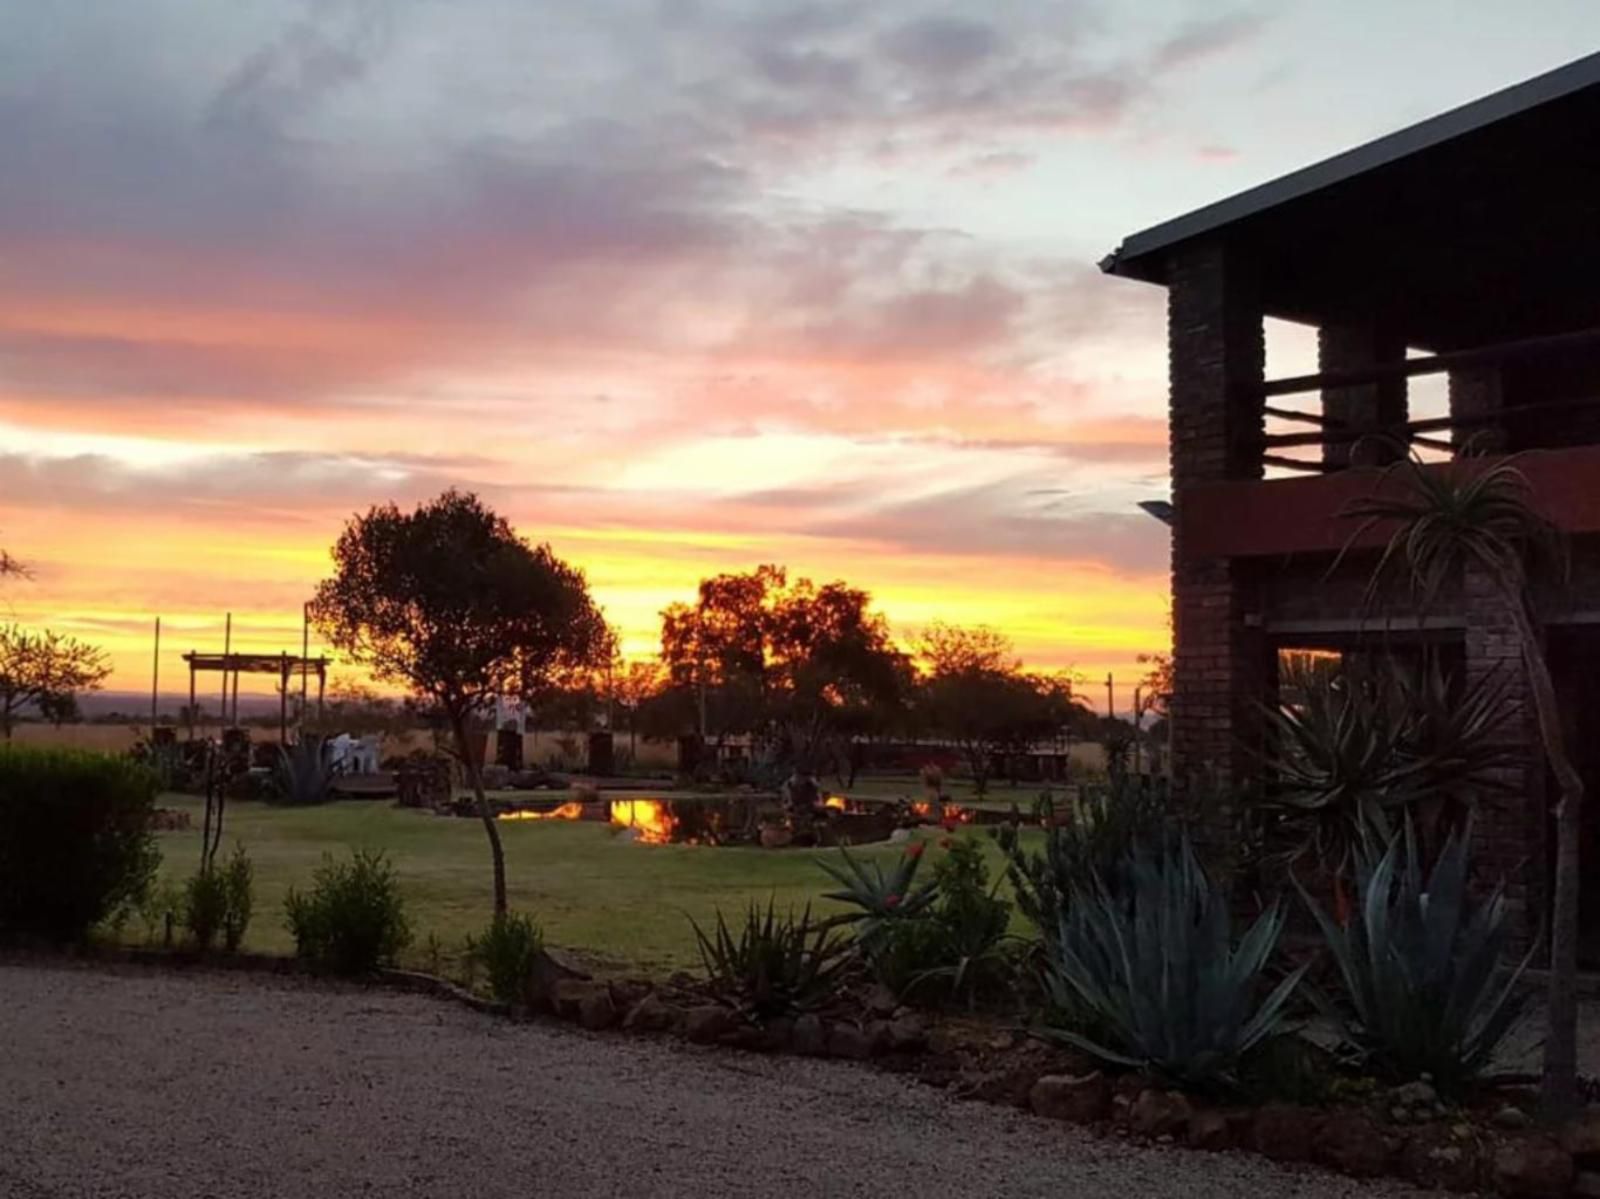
{"x": 193, "y": 715}
{"x": 1111, "y": 710}
{"x": 227, "y": 650}
{"x": 322, "y": 680}
{"x": 155, "y": 680}
{"x": 305, "y": 651}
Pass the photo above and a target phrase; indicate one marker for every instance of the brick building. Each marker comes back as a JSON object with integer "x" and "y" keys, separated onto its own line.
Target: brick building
{"x": 1467, "y": 247}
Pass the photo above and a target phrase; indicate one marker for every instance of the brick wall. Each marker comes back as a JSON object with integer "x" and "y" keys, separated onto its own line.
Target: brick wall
{"x": 1215, "y": 346}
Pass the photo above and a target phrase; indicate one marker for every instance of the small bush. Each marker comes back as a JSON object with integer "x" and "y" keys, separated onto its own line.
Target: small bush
{"x": 205, "y": 904}
{"x": 353, "y": 920}
{"x": 75, "y": 840}
{"x": 957, "y": 949}
{"x": 1157, "y": 979}
{"x": 1426, "y": 982}
{"x": 160, "y": 910}
{"x": 218, "y": 900}
{"x": 774, "y": 967}
{"x": 506, "y": 951}
{"x": 238, "y": 878}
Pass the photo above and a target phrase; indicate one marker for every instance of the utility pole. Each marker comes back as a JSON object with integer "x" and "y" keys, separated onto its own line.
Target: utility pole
{"x": 155, "y": 680}
{"x": 227, "y": 651}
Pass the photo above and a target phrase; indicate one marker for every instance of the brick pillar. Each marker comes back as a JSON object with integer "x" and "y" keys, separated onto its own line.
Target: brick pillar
{"x": 1216, "y": 351}
{"x": 1476, "y": 393}
{"x": 1511, "y": 829}
{"x": 1366, "y": 407}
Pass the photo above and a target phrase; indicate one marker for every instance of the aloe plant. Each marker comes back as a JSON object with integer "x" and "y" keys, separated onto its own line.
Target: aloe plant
{"x": 774, "y": 966}
{"x": 1156, "y": 978}
{"x": 881, "y": 899}
{"x": 1424, "y": 987}
{"x": 1356, "y": 750}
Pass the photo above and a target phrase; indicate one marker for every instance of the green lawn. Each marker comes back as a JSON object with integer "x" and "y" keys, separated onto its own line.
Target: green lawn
{"x": 614, "y": 903}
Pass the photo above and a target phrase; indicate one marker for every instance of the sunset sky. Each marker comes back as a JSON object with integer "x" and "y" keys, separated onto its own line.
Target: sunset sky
{"x": 679, "y": 286}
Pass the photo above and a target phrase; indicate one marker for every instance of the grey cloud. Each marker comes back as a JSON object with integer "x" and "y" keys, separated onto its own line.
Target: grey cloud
{"x": 413, "y": 169}
{"x": 938, "y": 45}
{"x": 1207, "y": 36}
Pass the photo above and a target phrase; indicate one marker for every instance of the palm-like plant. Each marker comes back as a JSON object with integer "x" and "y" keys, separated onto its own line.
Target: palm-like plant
{"x": 1480, "y": 518}
{"x": 1355, "y": 745}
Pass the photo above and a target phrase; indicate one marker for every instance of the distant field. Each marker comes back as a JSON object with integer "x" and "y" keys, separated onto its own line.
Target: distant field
{"x": 620, "y": 905}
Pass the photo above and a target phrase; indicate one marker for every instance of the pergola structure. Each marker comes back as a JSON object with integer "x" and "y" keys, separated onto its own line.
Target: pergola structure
{"x": 232, "y": 665}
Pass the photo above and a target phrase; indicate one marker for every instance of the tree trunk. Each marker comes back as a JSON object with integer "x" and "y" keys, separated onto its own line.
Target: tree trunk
{"x": 1559, "y": 1093}
{"x": 497, "y": 853}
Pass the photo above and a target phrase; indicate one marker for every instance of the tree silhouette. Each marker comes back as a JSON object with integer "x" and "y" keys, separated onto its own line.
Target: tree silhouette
{"x": 448, "y": 601}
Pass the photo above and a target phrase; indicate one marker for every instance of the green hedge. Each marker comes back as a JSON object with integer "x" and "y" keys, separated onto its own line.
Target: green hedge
{"x": 75, "y": 840}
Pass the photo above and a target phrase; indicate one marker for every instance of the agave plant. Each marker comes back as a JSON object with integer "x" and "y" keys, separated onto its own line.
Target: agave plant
{"x": 302, "y": 775}
{"x": 1157, "y": 980}
{"x": 882, "y": 899}
{"x": 1423, "y": 983}
{"x": 775, "y": 966}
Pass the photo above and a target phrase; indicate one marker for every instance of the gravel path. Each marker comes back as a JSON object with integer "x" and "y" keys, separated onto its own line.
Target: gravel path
{"x": 151, "y": 1085}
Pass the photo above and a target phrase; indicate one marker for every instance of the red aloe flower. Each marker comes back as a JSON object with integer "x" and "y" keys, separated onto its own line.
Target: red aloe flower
{"x": 891, "y": 902}
{"x": 914, "y": 850}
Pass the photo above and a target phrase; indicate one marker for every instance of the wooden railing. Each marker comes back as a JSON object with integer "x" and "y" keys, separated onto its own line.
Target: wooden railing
{"x": 1333, "y": 431}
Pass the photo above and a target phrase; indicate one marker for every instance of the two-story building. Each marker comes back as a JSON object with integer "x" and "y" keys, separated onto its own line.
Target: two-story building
{"x": 1467, "y": 246}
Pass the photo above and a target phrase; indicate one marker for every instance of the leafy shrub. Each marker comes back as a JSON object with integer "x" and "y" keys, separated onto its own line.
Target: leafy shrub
{"x": 506, "y": 951}
{"x": 160, "y": 910}
{"x": 1422, "y": 967}
{"x": 238, "y": 878}
{"x": 774, "y": 966}
{"x": 205, "y": 904}
{"x": 882, "y": 901}
{"x": 1157, "y": 977}
{"x": 957, "y": 949}
{"x": 1099, "y": 837}
{"x": 75, "y": 840}
{"x": 218, "y": 900}
{"x": 353, "y": 921}
{"x": 302, "y": 777}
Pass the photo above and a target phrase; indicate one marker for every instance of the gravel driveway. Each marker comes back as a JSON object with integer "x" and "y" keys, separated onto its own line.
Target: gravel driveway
{"x": 147, "y": 1084}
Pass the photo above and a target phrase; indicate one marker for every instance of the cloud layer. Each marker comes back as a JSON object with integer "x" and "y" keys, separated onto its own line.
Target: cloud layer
{"x": 615, "y": 265}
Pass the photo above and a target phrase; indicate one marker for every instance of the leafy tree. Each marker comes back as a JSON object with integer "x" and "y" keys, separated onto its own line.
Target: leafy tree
{"x": 44, "y": 670}
{"x": 59, "y": 708}
{"x": 978, "y": 697}
{"x": 633, "y": 684}
{"x": 1480, "y": 519}
{"x": 449, "y": 602}
{"x": 797, "y": 664}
